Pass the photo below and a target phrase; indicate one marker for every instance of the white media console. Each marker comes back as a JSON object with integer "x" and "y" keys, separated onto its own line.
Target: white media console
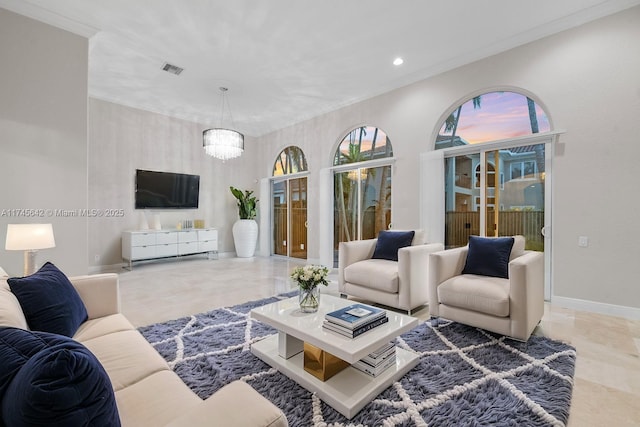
{"x": 152, "y": 244}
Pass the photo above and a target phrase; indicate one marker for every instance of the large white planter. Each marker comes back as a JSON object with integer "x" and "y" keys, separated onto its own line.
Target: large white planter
{"x": 245, "y": 236}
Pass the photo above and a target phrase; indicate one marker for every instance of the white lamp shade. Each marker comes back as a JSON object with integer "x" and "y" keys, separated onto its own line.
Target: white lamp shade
{"x": 26, "y": 237}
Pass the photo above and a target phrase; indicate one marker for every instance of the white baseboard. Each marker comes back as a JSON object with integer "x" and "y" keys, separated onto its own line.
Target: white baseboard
{"x": 632, "y": 313}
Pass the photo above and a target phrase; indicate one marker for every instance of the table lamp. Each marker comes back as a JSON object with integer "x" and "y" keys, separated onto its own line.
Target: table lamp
{"x": 29, "y": 238}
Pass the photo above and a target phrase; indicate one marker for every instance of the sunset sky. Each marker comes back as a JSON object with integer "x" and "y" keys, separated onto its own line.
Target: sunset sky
{"x": 501, "y": 115}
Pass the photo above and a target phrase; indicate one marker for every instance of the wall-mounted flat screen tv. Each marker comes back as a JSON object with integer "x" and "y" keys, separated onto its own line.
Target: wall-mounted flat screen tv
{"x": 166, "y": 190}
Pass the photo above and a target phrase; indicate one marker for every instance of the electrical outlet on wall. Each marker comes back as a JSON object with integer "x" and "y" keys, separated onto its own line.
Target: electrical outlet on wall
{"x": 96, "y": 258}
{"x": 583, "y": 241}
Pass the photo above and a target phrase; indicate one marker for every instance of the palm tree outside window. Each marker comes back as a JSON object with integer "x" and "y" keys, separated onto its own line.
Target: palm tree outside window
{"x": 362, "y": 193}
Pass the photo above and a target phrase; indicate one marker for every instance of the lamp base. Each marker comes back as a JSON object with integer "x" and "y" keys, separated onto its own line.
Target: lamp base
{"x": 30, "y": 262}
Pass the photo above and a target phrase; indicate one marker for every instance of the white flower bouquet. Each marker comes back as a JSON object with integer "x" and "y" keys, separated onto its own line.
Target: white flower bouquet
{"x": 310, "y": 276}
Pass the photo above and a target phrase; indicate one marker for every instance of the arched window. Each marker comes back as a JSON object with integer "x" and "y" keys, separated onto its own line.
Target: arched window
{"x": 362, "y": 144}
{"x": 506, "y": 196}
{"x": 362, "y": 185}
{"x": 492, "y": 116}
{"x": 289, "y": 204}
{"x": 290, "y": 160}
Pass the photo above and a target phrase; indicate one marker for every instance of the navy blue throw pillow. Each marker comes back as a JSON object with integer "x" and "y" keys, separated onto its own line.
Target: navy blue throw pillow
{"x": 488, "y": 256}
{"x": 54, "y": 381}
{"x": 17, "y": 346}
{"x": 49, "y": 301}
{"x": 389, "y": 242}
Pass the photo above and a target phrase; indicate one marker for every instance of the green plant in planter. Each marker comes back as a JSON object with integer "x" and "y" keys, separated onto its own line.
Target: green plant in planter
{"x": 246, "y": 203}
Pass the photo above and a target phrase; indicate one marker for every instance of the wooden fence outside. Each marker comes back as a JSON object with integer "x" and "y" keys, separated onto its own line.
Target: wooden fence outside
{"x": 460, "y": 225}
{"x": 298, "y": 244}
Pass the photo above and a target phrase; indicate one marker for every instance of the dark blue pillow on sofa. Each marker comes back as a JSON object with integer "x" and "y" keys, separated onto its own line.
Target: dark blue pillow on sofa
{"x": 49, "y": 301}
{"x": 17, "y": 346}
{"x": 488, "y": 256}
{"x": 389, "y": 242}
{"x": 53, "y": 380}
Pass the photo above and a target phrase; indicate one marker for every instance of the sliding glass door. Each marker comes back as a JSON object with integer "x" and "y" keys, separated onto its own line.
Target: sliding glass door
{"x": 496, "y": 193}
{"x": 290, "y": 217}
{"x": 362, "y": 203}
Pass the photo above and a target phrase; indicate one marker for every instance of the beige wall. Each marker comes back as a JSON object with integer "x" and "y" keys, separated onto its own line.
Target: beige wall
{"x": 123, "y": 139}
{"x": 587, "y": 80}
{"x": 43, "y": 137}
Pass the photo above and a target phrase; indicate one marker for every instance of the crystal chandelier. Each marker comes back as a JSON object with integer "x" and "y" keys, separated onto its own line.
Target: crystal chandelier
{"x": 221, "y": 143}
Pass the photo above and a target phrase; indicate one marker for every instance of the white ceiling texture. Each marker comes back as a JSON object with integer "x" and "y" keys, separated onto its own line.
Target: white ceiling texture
{"x": 285, "y": 61}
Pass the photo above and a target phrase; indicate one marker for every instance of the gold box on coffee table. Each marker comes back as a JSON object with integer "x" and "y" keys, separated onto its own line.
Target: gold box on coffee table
{"x": 321, "y": 364}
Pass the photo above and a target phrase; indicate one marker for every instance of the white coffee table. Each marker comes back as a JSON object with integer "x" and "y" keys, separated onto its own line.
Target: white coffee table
{"x": 349, "y": 390}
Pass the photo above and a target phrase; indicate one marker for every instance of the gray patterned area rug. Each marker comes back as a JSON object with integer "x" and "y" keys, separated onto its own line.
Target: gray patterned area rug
{"x": 466, "y": 376}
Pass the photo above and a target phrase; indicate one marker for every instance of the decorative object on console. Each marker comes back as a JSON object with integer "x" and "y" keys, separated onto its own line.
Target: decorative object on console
{"x": 157, "y": 225}
{"x": 29, "y": 238}
{"x": 143, "y": 224}
{"x": 465, "y": 375}
{"x": 308, "y": 279}
{"x": 221, "y": 143}
{"x": 245, "y": 230}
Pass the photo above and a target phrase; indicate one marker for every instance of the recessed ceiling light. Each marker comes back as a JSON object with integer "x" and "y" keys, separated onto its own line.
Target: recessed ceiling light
{"x": 398, "y": 61}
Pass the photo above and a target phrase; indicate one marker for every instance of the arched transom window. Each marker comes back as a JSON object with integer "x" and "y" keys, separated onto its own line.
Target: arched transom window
{"x": 362, "y": 144}
{"x": 492, "y": 116}
{"x": 290, "y": 160}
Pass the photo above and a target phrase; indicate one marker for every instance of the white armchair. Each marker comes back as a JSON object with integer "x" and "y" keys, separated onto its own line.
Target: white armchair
{"x": 401, "y": 284}
{"x": 510, "y": 306}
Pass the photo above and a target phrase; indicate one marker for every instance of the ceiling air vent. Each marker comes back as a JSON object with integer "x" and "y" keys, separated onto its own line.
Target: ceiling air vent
{"x": 173, "y": 69}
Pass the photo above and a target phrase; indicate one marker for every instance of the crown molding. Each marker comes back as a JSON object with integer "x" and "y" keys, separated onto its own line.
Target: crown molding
{"x": 38, "y": 13}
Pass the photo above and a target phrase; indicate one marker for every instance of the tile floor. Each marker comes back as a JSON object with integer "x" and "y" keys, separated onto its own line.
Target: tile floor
{"x": 607, "y": 379}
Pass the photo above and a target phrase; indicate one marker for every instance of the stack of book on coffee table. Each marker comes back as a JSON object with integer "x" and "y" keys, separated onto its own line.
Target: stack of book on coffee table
{"x": 354, "y": 320}
{"x": 375, "y": 363}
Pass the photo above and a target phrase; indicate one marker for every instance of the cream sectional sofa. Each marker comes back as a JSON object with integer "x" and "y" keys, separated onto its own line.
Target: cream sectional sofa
{"x": 147, "y": 391}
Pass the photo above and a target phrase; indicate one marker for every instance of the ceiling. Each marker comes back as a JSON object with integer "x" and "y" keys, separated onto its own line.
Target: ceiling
{"x": 285, "y": 61}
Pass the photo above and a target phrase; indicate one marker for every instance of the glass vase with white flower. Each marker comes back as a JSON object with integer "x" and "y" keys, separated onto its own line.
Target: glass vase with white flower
{"x": 308, "y": 279}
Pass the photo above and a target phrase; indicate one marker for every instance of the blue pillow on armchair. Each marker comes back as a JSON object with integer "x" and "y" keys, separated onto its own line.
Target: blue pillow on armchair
{"x": 49, "y": 301}
{"x": 389, "y": 242}
{"x": 488, "y": 256}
